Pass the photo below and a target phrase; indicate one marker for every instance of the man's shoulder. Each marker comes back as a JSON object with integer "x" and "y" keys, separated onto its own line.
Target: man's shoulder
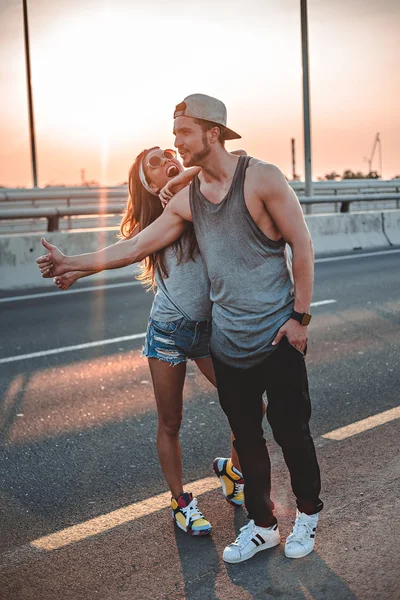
{"x": 180, "y": 204}
{"x": 266, "y": 174}
{"x": 262, "y": 168}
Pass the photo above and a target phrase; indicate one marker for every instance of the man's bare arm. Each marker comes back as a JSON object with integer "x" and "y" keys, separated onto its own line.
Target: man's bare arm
{"x": 177, "y": 184}
{"x": 285, "y": 210}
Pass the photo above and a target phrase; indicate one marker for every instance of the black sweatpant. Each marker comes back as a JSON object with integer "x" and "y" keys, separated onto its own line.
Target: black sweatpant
{"x": 283, "y": 376}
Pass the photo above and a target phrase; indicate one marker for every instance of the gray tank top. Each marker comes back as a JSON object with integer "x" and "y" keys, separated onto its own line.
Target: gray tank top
{"x": 185, "y": 292}
{"x": 251, "y": 278}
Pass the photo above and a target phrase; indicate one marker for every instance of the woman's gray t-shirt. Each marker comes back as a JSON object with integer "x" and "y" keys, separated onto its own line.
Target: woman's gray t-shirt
{"x": 185, "y": 292}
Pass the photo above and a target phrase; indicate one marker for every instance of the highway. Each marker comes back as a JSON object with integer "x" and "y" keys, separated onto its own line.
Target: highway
{"x": 83, "y": 503}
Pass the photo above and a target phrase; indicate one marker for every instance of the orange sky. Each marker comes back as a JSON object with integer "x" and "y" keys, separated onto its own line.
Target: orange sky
{"x": 107, "y": 75}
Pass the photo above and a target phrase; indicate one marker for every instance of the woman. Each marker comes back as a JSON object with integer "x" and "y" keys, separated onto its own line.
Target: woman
{"x": 178, "y": 329}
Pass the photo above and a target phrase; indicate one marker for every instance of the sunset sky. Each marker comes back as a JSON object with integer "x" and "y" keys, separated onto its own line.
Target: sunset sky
{"x": 107, "y": 74}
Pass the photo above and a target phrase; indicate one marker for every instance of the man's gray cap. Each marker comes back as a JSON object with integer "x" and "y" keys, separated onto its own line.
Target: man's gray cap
{"x": 207, "y": 108}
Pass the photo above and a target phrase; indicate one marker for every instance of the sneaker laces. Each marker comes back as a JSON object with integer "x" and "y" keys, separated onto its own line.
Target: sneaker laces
{"x": 301, "y": 530}
{"x": 245, "y": 534}
{"x": 238, "y": 487}
{"x": 191, "y": 512}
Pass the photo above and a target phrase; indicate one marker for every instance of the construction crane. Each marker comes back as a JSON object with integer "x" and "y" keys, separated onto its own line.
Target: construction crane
{"x": 377, "y": 141}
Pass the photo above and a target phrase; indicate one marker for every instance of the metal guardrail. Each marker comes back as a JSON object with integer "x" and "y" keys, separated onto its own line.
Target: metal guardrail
{"x": 69, "y": 195}
{"x": 53, "y": 214}
{"x": 338, "y": 187}
{"x": 346, "y": 199}
{"x": 63, "y": 193}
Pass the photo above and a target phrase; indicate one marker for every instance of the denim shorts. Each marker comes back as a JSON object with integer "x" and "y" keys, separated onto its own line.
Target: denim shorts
{"x": 177, "y": 341}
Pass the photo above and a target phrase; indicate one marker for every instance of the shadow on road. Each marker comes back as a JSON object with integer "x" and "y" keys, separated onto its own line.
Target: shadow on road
{"x": 271, "y": 576}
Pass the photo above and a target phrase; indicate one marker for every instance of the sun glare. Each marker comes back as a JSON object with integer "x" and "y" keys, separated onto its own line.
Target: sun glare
{"x": 102, "y": 76}
{"x": 99, "y": 84}
{"x": 106, "y": 79}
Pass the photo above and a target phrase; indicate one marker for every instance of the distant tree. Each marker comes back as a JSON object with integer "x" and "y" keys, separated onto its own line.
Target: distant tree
{"x": 331, "y": 176}
{"x": 13, "y": 187}
{"x": 349, "y": 174}
{"x": 91, "y": 183}
{"x": 396, "y": 177}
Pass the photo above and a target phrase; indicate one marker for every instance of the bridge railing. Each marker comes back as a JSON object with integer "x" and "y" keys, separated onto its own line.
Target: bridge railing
{"x": 53, "y": 214}
{"x": 80, "y": 195}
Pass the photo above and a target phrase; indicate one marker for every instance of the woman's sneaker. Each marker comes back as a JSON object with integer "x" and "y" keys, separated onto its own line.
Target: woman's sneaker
{"x": 188, "y": 517}
{"x": 302, "y": 539}
{"x": 231, "y": 480}
{"x": 251, "y": 539}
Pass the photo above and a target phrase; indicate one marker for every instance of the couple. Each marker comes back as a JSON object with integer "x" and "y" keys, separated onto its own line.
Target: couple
{"x": 179, "y": 326}
{"x": 243, "y": 213}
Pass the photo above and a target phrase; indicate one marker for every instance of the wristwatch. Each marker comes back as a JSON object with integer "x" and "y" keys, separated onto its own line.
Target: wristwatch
{"x": 303, "y": 318}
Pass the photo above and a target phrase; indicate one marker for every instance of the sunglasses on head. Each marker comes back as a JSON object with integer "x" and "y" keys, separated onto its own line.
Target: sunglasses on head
{"x": 157, "y": 160}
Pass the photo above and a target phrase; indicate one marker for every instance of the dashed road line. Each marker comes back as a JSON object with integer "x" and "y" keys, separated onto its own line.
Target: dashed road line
{"x": 124, "y": 338}
{"x": 364, "y": 425}
{"x": 93, "y": 288}
{"x": 76, "y": 533}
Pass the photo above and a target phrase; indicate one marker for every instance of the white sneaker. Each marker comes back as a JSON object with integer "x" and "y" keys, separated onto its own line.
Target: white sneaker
{"x": 251, "y": 539}
{"x": 302, "y": 539}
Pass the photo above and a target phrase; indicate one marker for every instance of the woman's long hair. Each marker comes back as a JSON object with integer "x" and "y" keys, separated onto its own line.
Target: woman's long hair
{"x": 142, "y": 209}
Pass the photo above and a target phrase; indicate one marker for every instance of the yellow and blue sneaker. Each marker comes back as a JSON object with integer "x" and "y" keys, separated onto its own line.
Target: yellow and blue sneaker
{"x": 231, "y": 481}
{"x": 188, "y": 517}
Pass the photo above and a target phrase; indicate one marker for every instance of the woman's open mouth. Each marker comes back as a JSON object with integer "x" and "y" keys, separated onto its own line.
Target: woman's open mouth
{"x": 172, "y": 171}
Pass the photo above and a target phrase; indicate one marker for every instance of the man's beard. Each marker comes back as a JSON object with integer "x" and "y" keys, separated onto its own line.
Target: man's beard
{"x": 197, "y": 157}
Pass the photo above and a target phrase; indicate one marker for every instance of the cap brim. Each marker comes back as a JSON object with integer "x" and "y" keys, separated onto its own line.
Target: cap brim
{"x": 229, "y": 134}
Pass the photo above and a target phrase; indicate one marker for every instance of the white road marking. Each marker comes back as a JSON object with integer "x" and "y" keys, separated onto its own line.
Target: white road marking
{"x": 323, "y": 302}
{"x": 74, "y": 291}
{"x": 125, "y": 284}
{"x": 364, "y": 425}
{"x": 76, "y": 533}
{"x": 361, "y": 255}
{"x": 130, "y": 513}
{"x": 124, "y": 338}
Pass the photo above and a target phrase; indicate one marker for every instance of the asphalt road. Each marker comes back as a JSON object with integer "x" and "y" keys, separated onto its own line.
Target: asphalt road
{"x": 77, "y": 441}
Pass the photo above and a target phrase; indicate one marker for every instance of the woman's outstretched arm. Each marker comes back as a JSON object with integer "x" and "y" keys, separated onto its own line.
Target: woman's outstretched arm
{"x": 64, "y": 282}
{"x": 163, "y": 232}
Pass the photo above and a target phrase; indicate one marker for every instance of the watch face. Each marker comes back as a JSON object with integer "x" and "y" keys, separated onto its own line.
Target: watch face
{"x": 306, "y": 319}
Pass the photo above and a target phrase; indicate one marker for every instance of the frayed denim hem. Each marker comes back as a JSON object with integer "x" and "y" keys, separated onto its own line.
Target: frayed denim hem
{"x": 171, "y": 360}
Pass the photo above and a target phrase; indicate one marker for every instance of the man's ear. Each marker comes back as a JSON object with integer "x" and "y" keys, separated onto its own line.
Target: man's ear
{"x": 215, "y": 133}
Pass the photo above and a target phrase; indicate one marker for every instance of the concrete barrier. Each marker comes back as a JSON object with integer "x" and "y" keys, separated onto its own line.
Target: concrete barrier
{"x": 347, "y": 232}
{"x": 19, "y": 252}
{"x": 391, "y": 225}
{"x": 330, "y": 233}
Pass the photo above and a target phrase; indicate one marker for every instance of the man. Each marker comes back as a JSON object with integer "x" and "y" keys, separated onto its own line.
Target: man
{"x": 244, "y": 213}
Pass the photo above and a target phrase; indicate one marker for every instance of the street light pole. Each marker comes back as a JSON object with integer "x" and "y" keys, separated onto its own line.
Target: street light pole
{"x": 306, "y": 100}
{"x": 30, "y": 99}
{"x": 294, "y": 175}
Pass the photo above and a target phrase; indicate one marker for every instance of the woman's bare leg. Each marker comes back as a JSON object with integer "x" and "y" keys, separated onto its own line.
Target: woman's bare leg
{"x": 168, "y": 383}
{"x": 206, "y": 367}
